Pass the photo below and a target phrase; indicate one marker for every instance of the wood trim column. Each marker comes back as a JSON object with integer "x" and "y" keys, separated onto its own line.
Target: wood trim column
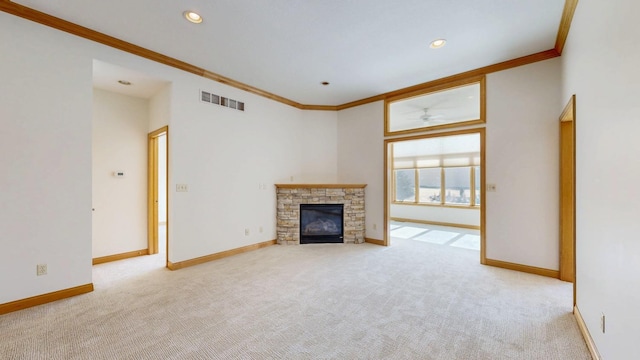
{"x": 567, "y": 192}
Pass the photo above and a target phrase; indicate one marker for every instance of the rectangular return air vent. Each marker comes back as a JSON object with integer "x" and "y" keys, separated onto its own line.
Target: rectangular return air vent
{"x": 214, "y": 99}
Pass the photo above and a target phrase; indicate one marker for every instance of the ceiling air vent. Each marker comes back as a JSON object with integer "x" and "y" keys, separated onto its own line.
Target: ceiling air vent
{"x": 211, "y": 98}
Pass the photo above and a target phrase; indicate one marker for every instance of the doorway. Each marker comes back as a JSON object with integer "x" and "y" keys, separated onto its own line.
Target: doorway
{"x": 158, "y": 217}
{"x": 437, "y": 180}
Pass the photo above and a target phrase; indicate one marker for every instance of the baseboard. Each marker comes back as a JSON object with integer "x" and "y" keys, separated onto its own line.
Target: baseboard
{"x": 523, "y": 268}
{"x": 374, "y": 241}
{"x": 464, "y": 226}
{"x": 44, "y": 298}
{"x": 220, "y": 255}
{"x": 116, "y": 257}
{"x": 591, "y": 345}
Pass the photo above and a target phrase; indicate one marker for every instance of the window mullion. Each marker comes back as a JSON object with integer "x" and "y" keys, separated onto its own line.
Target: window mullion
{"x": 472, "y": 173}
{"x": 417, "y": 185}
{"x": 394, "y": 185}
{"x": 442, "y": 184}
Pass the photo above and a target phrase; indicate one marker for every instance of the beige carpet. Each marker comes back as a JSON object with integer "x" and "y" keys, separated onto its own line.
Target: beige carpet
{"x": 413, "y": 300}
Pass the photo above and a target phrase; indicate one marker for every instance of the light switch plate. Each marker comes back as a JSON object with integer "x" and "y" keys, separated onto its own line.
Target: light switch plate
{"x": 182, "y": 188}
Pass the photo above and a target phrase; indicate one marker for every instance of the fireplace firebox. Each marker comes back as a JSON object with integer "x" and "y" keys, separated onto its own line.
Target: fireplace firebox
{"x": 321, "y": 223}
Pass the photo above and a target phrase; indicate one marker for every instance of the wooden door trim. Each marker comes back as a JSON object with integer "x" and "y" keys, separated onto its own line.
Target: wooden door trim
{"x": 152, "y": 190}
{"x": 567, "y": 193}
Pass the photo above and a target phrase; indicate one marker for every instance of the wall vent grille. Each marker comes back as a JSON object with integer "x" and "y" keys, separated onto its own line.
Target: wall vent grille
{"x": 211, "y": 98}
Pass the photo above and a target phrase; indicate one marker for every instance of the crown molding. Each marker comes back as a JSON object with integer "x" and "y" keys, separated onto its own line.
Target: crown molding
{"x": 83, "y": 32}
{"x": 89, "y": 34}
{"x": 505, "y": 65}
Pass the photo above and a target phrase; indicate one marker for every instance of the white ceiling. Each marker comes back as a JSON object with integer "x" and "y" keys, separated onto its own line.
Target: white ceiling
{"x": 106, "y": 77}
{"x": 362, "y": 47}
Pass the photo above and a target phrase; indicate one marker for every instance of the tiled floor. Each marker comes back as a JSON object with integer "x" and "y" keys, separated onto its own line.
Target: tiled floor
{"x": 442, "y": 235}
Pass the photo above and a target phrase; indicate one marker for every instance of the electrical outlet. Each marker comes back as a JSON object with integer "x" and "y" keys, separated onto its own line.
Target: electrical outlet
{"x": 602, "y": 323}
{"x": 491, "y": 187}
{"x": 41, "y": 269}
{"x": 261, "y": 229}
{"x": 375, "y": 226}
{"x": 246, "y": 232}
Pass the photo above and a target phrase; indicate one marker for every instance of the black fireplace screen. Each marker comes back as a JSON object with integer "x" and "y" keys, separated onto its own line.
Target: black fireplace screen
{"x": 321, "y": 223}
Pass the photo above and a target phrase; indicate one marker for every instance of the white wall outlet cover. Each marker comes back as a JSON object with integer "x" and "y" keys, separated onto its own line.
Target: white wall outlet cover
{"x": 118, "y": 174}
{"x": 41, "y": 269}
{"x": 182, "y": 188}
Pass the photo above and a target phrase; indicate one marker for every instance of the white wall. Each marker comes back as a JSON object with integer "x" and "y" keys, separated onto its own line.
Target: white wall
{"x": 449, "y": 215}
{"x": 522, "y": 142}
{"x": 45, "y": 157}
{"x": 600, "y": 65}
{"x": 320, "y": 146}
{"x": 120, "y": 126}
{"x": 223, "y": 155}
{"x": 360, "y": 161}
{"x": 160, "y": 109}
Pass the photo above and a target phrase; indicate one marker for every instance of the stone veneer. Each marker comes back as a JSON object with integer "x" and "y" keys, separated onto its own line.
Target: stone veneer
{"x": 290, "y": 196}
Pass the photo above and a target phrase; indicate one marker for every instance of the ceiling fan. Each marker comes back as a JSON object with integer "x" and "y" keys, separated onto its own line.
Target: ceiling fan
{"x": 427, "y": 118}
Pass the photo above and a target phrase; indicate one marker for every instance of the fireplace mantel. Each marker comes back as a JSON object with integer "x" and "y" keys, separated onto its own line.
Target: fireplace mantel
{"x": 290, "y": 196}
{"x": 321, "y": 186}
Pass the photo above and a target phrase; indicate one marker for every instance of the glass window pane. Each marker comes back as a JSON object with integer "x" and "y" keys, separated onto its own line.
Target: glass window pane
{"x": 477, "y": 185}
{"x": 429, "y": 185}
{"x": 405, "y": 185}
{"x": 457, "y": 185}
{"x": 449, "y": 106}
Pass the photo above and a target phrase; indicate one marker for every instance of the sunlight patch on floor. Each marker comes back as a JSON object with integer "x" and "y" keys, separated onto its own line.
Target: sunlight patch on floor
{"x": 435, "y": 234}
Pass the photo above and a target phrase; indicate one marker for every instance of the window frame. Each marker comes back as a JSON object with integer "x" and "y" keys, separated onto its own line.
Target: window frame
{"x": 472, "y": 183}
{"x": 432, "y": 90}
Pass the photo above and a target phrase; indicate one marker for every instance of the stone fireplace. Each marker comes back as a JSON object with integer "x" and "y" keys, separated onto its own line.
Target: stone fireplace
{"x": 291, "y": 196}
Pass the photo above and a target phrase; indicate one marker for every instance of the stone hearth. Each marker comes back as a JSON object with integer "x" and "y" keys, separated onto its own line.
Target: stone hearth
{"x": 290, "y": 196}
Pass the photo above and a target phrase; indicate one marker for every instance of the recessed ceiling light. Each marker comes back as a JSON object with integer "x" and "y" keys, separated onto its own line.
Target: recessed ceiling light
{"x": 436, "y": 44}
{"x": 193, "y": 17}
{"x": 325, "y": 83}
{"x": 124, "y": 82}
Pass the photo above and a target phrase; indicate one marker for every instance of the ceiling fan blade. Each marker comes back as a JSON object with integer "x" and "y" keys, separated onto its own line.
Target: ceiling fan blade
{"x": 435, "y": 121}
